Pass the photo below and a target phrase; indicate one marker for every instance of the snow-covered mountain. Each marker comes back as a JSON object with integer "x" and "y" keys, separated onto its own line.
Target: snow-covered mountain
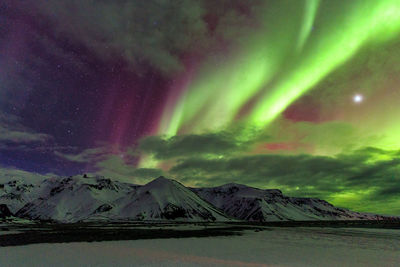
{"x": 77, "y": 198}
{"x": 253, "y": 204}
{"x": 165, "y": 199}
{"x": 74, "y": 198}
{"x": 84, "y": 198}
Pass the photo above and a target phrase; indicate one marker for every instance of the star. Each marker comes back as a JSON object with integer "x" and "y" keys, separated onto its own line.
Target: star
{"x": 358, "y": 98}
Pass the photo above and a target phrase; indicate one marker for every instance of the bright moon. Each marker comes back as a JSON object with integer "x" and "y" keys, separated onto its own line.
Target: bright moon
{"x": 358, "y": 98}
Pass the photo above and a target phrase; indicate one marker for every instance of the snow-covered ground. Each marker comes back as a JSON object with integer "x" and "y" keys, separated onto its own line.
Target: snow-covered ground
{"x": 271, "y": 247}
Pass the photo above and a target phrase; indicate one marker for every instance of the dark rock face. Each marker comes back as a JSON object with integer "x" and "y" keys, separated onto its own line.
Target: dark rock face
{"x": 172, "y": 212}
{"x": 56, "y": 190}
{"x": 22, "y": 213}
{"x": 103, "y": 208}
{"x": 104, "y": 184}
{"x": 4, "y": 211}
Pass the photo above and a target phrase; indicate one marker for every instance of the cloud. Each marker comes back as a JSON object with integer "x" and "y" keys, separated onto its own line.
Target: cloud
{"x": 116, "y": 167}
{"x": 18, "y": 136}
{"x": 106, "y": 161}
{"x": 86, "y": 156}
{"x": 211, "y": 144}
{"x": 12, "y": 131}
{"x": 153, "y": 32}
{"x": 283, "y": 136}
{"x": 286, "y": 170}
{"x": 186, "y": 145}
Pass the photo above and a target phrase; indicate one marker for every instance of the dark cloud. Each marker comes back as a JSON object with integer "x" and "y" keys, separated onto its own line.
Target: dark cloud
{"x": 391, "y": 191}
{"x": 116, "y": 167}
{"x": 150, "y": 31}
{"x": 286, "y": 170}
{"x": 89, "y": 155}
{"x": 13, "y": 132}
{"x": 216, "y": 144}
{"x": 154, "y": 32}
{"x": 27, "y": 150}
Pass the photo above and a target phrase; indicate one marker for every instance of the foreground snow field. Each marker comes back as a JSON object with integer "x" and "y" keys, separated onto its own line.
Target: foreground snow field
{"x": 270, "y": 247}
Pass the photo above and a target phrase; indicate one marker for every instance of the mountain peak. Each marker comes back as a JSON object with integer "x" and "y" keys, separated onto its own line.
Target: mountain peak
{"x": 161, "y": 180}
{"x": 162, "y": 183}
{"x": 167, "y": 199}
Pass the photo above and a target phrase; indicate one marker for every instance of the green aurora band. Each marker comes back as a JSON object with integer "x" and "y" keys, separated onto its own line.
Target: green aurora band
{"x": 295, "y": 46}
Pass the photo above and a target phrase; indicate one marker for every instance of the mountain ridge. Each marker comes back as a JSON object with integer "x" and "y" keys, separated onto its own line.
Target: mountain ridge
{"x": 81, "y": 198}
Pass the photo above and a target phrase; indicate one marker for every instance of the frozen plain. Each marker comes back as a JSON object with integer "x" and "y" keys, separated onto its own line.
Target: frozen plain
{"x": 273, "y": 246}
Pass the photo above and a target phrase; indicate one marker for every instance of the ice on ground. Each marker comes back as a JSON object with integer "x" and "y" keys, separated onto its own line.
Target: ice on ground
{"x": 270, "y": 247}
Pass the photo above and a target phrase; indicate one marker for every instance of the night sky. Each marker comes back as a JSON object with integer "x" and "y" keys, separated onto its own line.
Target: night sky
{"x": 303, "y": 96}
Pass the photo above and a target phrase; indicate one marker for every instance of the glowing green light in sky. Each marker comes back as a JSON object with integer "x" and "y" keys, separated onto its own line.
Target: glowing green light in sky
{"x": 295, "y": 46}
{"x": 310, "y": 12}
{"x": 225, "y": 84}
{"x": 328, "y": 51}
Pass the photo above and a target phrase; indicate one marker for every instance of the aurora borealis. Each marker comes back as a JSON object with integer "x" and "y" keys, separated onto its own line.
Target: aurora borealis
{"x": 300, "y": 95}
